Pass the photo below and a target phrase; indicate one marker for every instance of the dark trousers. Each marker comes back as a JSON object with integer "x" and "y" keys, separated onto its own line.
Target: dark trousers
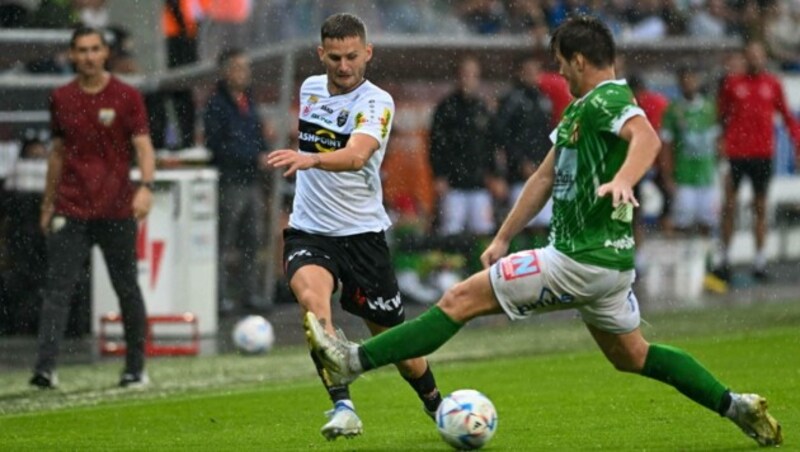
{"x": 241, "y": 237}
{"x": 68, "y": 246}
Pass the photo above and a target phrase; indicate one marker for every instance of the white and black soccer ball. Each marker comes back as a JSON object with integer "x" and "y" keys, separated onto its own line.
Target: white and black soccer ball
{"x": 253, "y": 334}
{"x": 466, "y": 419}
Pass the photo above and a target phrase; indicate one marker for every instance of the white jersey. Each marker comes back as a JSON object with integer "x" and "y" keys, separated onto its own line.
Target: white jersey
{"x": 349, "y": 202}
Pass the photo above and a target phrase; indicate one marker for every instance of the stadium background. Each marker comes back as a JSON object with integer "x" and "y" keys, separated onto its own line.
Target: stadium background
{"x": 418, "y": 45}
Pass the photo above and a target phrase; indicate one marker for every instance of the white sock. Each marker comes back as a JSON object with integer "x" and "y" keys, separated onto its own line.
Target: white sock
{"x": 731, "y": 413}
{"x": 348, "y": 403}
{"x": 760, "y": 262}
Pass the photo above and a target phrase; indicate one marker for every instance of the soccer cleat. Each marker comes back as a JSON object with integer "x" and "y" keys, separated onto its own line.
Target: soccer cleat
{"x": 44, "y": 380}
{"x": 761, "y": 275}
{"x": 750, "y": 414}
{"x": 343, "y": 422}
{"x": 714, "y": 283}
{"x": 339, "y": 357}
{"x": 134, "y": 380}
{"x": 429, "y": 413}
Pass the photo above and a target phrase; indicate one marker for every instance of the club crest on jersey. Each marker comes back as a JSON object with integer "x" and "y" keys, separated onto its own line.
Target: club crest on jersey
{"x": 106, "y": 116}
{"x": 342, "y": 118}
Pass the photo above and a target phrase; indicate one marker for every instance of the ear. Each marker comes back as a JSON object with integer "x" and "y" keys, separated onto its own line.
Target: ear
{"x": 320, "y": 52}
{"x": 369, "y": 52}
{"x": 580, "y": 61}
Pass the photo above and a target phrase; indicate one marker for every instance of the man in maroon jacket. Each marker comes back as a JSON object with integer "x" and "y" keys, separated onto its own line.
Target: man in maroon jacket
{"x": 89, "y": 199}
{"x": 746, "y": 104}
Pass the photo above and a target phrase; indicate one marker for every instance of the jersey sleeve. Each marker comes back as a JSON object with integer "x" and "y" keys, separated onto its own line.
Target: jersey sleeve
{"x": 613, "y": 109}
{"x": 373, "y": 115}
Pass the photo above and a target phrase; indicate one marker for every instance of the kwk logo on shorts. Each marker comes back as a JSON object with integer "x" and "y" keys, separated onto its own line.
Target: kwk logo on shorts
{"x": 517, "y": 265}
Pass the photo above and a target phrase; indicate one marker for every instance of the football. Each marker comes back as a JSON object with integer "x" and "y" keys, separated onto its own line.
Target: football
{"x": 466, "y": 419}
{"x": 253, "y": 334}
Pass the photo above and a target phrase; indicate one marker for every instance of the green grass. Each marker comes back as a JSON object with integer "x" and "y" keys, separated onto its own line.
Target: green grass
{"x": 552, "y": 390}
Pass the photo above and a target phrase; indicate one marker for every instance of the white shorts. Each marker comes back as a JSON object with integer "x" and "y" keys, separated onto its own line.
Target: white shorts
{"x": 467, "y": 211}
{"x": 544, "y": 280}
{"x": 695, "y": 206}
{"x": 544, "y": 216}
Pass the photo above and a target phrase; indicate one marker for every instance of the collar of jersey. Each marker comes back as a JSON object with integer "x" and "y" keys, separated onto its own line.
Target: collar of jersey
{"x": 619, "y": 82}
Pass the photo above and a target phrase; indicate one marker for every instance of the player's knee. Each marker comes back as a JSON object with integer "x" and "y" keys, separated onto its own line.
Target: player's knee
{"x": 457, "y": 303}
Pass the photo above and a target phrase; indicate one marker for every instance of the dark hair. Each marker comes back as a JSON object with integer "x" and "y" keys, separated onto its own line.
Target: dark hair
{"x": 343, "y": 25}
{"x": 586, "y": 35}
{"x": 684, "y": 70}
{"x": 228, "y": 54}
{"x": 82, "y": 31}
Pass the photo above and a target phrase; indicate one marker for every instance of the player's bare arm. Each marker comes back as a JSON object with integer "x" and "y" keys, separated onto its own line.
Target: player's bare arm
{"x": 352, "y": 157}
{"x": 534, "y": 196}
{"x": 54, "y": 163}
{"x": 145, "y": 156}
{"x": 642, "y": 151}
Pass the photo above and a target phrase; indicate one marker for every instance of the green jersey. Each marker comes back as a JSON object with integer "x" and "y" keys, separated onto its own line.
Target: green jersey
{"x": 589, "y": 152}
{"x": 691, "y": 127}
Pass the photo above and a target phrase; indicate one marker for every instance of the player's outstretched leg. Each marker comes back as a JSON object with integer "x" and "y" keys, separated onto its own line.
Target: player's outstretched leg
{"x": 749, "y": 413}
{"x": 339, "y": 356}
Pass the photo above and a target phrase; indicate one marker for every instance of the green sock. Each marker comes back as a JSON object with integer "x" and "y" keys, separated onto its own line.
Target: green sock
{"x": 679, "y": 369}
{"x": 418, "y": 337}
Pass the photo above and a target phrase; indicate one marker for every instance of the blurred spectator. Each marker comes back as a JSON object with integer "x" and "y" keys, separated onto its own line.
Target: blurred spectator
{"x": 24, "y": 240}
{"x": 54, "y": 14}
{"x": 782, "y": 33}
{"x": 646, "y": 21}
{"x": 521, "y": 130}
{"x": 746, "y": 105}
{"x": 235, "y": 136}
{"x": 13, "y": 14}
{"x": 97, "y": 122}
{"x": 483, "y": 17}
{"x": 525, "y": 16}
{"x": 709, "y": 19}
{"x": 461, "y": 157}
{"x": 92, "y": 13}
{"x": 555, "y": 87}
{"x": 179, "y": 25}
{"x": 689, "y": 157}
{"x": 226, "y": 26}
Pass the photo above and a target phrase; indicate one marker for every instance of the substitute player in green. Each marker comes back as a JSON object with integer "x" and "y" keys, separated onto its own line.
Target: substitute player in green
{"x": 602, "y": 147}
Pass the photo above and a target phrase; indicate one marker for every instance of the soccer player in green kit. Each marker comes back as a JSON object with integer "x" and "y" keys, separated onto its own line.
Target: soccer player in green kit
{"x": 601, "y": 148}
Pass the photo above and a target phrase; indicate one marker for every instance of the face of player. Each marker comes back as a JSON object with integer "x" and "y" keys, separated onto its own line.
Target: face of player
{"x": 237, "y": 73}
{"x": 89, "y": 55}
{"x": 690, "y": 84}
{"x": 756, "y": 57}
{"x": 469, "y": 76}
{"x": 569, "y": 70}
{"x": 345, "y": 62}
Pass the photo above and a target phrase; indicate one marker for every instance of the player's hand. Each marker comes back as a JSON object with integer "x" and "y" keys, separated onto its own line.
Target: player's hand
{"x": 44, "y": 219}
{"x": 621, "y": 193}
{"x": 142, "y": 202}
{"x": 494, "y": 252}
{"x": 292, "y": 160}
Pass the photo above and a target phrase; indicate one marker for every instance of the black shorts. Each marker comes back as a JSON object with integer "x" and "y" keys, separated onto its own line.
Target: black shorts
{"x": 758, "y": 170}
{"x": 361, "y": 262}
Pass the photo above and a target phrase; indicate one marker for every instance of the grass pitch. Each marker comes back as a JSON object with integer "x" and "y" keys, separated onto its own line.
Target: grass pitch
{"x": 552, "y": 390}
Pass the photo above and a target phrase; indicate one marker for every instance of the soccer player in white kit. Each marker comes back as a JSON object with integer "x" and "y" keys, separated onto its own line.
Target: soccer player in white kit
{"x": 336, "y": 229}
{"x": 601, "y": 148}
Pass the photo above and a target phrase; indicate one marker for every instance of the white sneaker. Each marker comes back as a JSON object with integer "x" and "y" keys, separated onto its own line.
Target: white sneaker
{"x": 749, "y": 412}
{"x": 343, "y": 422}
{"x": 339, "y": 356}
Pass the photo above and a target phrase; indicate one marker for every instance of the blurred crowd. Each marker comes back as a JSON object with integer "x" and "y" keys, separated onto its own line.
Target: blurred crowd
{"x": 255, "y": 23}
{"x": 480, "y": 144}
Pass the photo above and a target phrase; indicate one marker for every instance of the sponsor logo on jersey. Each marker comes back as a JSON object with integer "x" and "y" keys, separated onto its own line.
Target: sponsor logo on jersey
{"x": 361, "y": 119}
{"x": 326, "y": 109}
{"x": 307, "y": 107}
{"x": 106, "y": 116}
{"x": 386, "y": 119}
{"x": 547, "y": 299}
{"x": 315, "y": 138}
{"x": 520, "y": 264}
{"x": 624, "y": 243}
{"x": 341, "y": 120}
